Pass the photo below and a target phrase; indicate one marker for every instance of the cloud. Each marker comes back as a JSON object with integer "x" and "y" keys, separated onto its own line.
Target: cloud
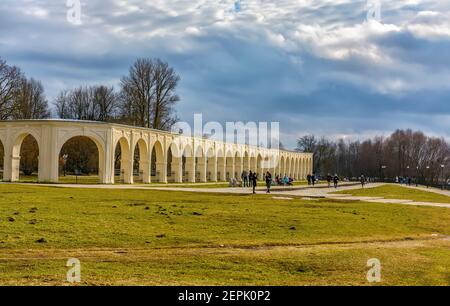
{"x": 317, "y": 66}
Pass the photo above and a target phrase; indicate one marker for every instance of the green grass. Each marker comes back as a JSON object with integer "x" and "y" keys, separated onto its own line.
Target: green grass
{"x": 398, "y": 192}
{"x": 162, "y": 237}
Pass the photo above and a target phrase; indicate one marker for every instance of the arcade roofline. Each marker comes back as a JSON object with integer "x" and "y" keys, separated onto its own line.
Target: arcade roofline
{"x": 119, "y": 125}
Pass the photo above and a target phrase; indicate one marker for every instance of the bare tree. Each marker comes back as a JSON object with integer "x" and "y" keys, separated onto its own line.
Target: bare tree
{"x": 104, "y": 100}
{"x": 166, "y": 81}
{"x": 96, "y": 103}
{"x": 10, "y": 80}
{"x": 405, "y": 153}
{"x": 149, "y": 94}
{"x": 30, "y": 101}
{"x": 306, "y": 144}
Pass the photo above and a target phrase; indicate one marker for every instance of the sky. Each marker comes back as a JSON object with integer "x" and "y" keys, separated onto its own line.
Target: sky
{"x": 316, "y": 66}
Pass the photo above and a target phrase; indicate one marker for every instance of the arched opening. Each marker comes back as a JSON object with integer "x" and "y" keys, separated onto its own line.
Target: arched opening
{"x": 141, "y": 170}
{"x": 252, "y": 166}
{"x": 2, "y": 161}
{"x": 200, "y": 165}
{"x": 238, "y": 165}
{"x": 158, "y": 164}
{"x": 282, "y": 167}
{"x": 211, "y": 166}
{"x": 188, "y": 165}
{"x": 259, "y": 169}
{"x": 79, "y": 161}
{"x": 122, "y": 163}
{"x": 229, "y": 166}
{"x": 174, "y": 163}
{"x": 293, "y": 165}
{"x": 221, "y": 166}
{"x": 289, "y": 167}
{"x": 246, "y": 162}
{"x": 25, "y": 157}
{"x": 170, "y": 170}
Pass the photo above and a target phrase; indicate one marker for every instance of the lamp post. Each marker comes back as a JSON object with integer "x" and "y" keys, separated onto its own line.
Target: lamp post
{"x": 442, "y": 176}
{"x": 382, "y": 172}
{"x": 426, "y": 176}
{"x": 408, "y": 179}
{"x": 417, "y": 176}
{"x": 65, "y": 157}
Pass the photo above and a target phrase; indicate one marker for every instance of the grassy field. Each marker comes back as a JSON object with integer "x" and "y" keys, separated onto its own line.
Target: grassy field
{"x": 129, "y": 237}
{"x": 398, "y": 192}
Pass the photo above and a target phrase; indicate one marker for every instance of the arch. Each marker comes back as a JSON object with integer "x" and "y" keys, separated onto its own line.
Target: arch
{"x": 287, "y": 170}
{"x": 173, "y": 163}
{"x": 282, "y": 166}
{"x": 25, "y": 159}
{"x": 200, "y": 164}
{"x": 211, "y": 165}
{"x": 246, "y": 161}
{"x": 229, "y": 165}
{"x": 80, "y": 156}
{"x": 188, "y": 164}
{"x": 2, "y": 154}
{"x": 158, "y": 165}
{"x": 294, "y": 168}
{"x": 141, "y": 162}
{"x": 221, "y": 165}
{"x": 238, "y": 165}
{"x": 123, "y": 161}
{"x": 259, "y": 168}
{"x": 252, "y": 162}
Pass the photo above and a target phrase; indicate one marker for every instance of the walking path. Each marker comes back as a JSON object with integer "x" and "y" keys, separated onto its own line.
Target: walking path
{"x": 303, "y": 191}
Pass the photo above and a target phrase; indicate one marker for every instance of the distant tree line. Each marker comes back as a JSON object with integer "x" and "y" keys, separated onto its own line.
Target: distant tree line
{"x": 146, "y": 97}
{"x": 405, "y": 153}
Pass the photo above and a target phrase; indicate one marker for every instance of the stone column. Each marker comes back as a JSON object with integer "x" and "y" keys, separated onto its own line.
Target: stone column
{"x": 48, "y": 155}
{"x": 221, "y": 170}
{"x": 144, "y": 171}
{"x": 230, "y": 168}
{"x": 177, "y": 168}
{"x": 126, "y": 172}
{"x": 190, "y": 169}
{"x": 201, "y": 167}
{"x": 212, "y": 169}
{"x": 161, "y": 172}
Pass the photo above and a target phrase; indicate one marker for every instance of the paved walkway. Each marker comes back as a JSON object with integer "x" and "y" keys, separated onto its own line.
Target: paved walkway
{"x": 303, "y": 191}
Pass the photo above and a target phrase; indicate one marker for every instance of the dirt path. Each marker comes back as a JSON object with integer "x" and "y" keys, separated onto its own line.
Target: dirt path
{"x": 127, "y": 253}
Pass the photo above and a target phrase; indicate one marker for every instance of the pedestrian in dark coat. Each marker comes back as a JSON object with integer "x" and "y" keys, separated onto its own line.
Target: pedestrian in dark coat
{"x": 336, "y": 180}
{"x": 268, "y": 181}
{"x": 254, "y": 182}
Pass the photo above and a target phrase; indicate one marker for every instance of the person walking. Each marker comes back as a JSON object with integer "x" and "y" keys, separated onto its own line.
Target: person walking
{"x": 268, "y": 181}
{"x": 308, "y": 177}
{"x": 362, "y": 179}
{"x": 244, "y": 177}
{"x": 313, "y": 180}
{"x": 250, "y": 178}
{"x": 254, "y": 182}
{"x": 336, "y": 180}
{"x": 329, "y": 179}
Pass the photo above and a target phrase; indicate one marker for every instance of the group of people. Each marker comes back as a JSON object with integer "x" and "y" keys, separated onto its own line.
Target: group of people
{"x": 403, "y": 180}
{"x": 250, "y": 179}
{"x": 312, "y": 179}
